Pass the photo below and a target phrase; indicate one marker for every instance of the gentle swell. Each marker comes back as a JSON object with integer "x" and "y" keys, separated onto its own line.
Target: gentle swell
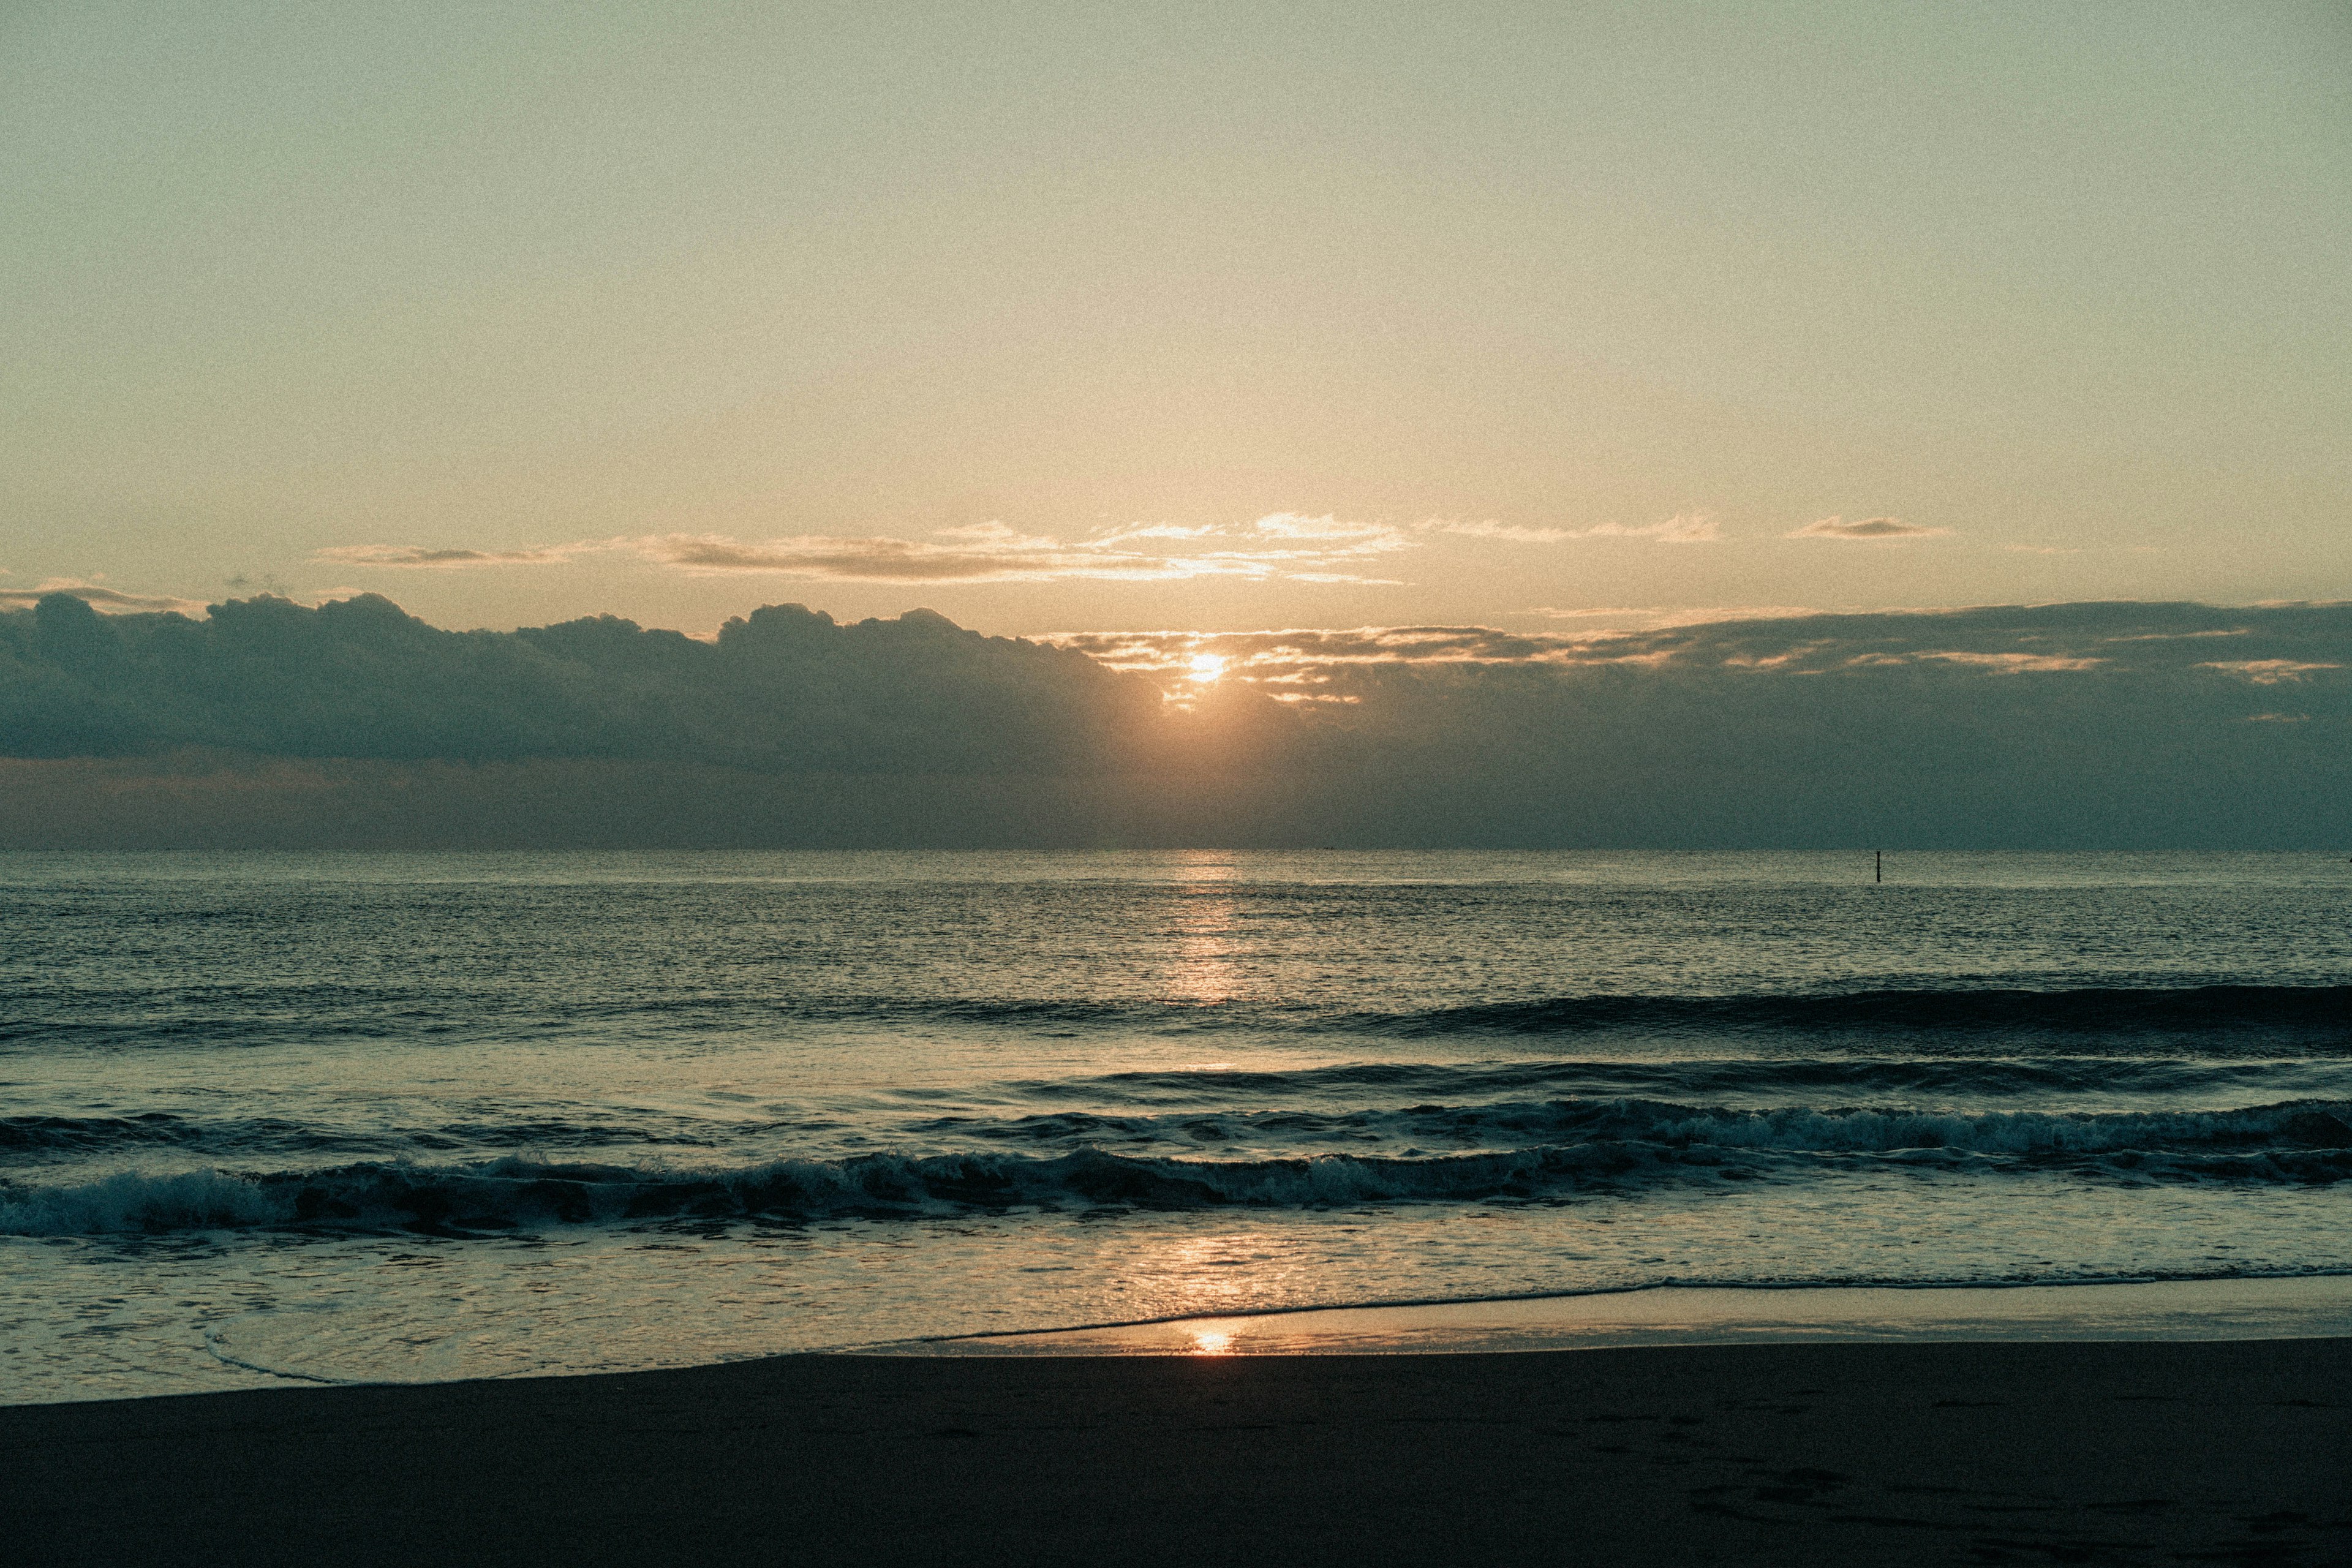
{"x": 253, "y": 1015}
{"x": 1586, "y": 1147}
{"x": 2152, "y": 1010}
{"x": 1847, "y": 1078}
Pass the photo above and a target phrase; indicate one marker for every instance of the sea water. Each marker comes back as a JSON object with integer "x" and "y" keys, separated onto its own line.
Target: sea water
{"x": 358, "y": 1117}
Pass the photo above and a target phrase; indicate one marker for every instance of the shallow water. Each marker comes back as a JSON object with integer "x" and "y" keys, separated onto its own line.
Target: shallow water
{"x": 343, "y": 1117}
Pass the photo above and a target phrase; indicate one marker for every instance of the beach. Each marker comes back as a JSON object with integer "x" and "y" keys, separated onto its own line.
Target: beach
{"x": 1936, "y": 1452}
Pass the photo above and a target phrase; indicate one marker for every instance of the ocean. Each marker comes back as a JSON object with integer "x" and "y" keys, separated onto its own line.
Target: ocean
{"x": 340, "y": 1118}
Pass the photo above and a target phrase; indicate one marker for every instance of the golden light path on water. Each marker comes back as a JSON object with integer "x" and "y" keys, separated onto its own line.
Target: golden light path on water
{"x": 1202, "y": 967}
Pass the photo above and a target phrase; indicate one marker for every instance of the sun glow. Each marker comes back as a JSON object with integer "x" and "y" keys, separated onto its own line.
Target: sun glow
{"x": 1207, "y": 667}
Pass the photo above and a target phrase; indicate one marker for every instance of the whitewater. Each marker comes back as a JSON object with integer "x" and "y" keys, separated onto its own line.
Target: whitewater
{"x": 359, "y": 1117}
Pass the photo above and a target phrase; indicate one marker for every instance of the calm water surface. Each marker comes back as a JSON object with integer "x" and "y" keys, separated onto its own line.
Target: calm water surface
{"x": 361, "y": 1117}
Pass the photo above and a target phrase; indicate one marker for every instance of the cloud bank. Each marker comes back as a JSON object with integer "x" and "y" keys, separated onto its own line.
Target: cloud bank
{"x": 2112, "y": 725}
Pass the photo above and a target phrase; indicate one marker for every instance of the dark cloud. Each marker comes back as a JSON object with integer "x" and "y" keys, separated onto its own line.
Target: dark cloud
{"x": 2119, "y": 638}
{"x": 785, "y": 687}
{"x": 2085, "y": 724}
{"x": 1864, "y": 528}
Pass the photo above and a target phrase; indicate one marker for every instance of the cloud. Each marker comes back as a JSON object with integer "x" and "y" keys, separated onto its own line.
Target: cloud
{"x": 2055, "y": 640}
{"x": 1152, "y": 530}
{"x": 965, "y": 556}
{"x": 2267, "y": 671}
{"x": 1688, "y": 528}
{"x": 1617, "y": 612}
{"x": 1350, "y": 538}
{"x": 2052, "y": 725}
{"x": 1279, "y": 545}
{"x": 1286, "y": 546}
{"x": 1282, "y": 545}
{"x": 1657, "y": 617}
{"x": 103, "y": 599}
{"x": 2014, "y": 663}
{"x": 1295, "y": 652}
{"x": 781, "y": 689}
{"x": 418, "y": 555}
{"x": 1868, "y": 528}
{"x": 1684, "y": 528}
{"x": 1508, "y": 532}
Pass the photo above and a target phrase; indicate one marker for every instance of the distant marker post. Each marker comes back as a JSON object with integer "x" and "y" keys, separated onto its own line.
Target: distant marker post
{"x": 1878, "y": 866}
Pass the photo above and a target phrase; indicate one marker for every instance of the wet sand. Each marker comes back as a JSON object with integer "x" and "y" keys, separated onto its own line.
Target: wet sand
{"x": 1923, "y": 1452}
{"x": 2300, "y": 1307}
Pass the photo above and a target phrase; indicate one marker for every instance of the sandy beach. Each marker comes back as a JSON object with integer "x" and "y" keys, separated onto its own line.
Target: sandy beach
{"x": 1939, "y": 1452}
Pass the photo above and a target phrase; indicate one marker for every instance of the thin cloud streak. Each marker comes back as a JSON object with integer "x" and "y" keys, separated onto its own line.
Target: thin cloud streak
{"x": 1657, "y": 618}
{"x": 97, "y": 596}
{"x": 412, "y": 555}
{"x": 1286, "y": 546}
{"x": 1878, "y": 529}
{"x": 2268, "y": 671}
{"x": 1683, "y": 528}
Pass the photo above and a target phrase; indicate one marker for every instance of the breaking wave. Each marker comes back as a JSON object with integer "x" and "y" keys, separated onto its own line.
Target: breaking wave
{"x": 1591, "y": 1146}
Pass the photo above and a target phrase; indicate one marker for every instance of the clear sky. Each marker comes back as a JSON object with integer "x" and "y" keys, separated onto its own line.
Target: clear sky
{"x": 1206, "y": 316}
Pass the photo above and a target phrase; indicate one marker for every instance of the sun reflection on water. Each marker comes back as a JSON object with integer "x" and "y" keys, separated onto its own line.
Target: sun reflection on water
{"x": 1201, "y": 968}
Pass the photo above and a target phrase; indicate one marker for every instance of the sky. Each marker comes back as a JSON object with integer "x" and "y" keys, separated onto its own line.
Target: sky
{"x": 1221, "y": 319}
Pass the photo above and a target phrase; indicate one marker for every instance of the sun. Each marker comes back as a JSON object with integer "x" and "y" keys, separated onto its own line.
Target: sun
{"x": 1207, "y": 667}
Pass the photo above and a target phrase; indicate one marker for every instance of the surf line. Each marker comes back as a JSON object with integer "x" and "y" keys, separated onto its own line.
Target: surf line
{"x": 220, "y": 1353}
{"x": 1670, "y": 1282}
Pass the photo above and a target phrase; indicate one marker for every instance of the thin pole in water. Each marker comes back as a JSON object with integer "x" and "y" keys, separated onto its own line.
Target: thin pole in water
{"x": 1878, "y": 865}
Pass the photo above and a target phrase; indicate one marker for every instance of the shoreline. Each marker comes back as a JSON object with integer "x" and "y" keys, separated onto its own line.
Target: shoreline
{"x": 1944, "y": 1451}
{"x": 2203, "y": 1308}
{"x": 2296, "y": 1306}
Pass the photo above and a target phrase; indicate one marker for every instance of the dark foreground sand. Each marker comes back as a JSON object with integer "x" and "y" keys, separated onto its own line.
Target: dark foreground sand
{"x": 2228, "y": 1452}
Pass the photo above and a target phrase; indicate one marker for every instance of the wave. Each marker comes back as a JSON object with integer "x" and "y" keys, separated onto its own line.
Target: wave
{"x": 2326, "y": 1009}
{"x": 1857, "y": 1076}
{"x": 1390, "y": 1105}
{"x": 1954, "y": 1007}
{"x": 40, "y": 1136}
{"x": 1590, "y": 1147}
{"x": 1797, "y": 1130}
{"x": 2311, "y": 1015}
